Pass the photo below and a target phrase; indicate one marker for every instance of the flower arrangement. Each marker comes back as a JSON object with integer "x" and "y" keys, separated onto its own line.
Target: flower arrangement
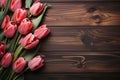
{"x": 20, "y": 35}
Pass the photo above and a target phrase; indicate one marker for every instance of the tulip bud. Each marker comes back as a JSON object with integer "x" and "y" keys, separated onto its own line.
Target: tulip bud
{"x": 6, "y": 60}
{"x": 3, "y": 2}
{"x": 36, "y": 8}
{"x": 35, "y": 63}
{"x": 5, "y": 21}
{"x": 19, "y": 65}
{"x": 2, "y": 48}
{"x": 25, "y": 26}
{"x": 15, "y": 4}
{"x": 10, "y": 29}
{"x": 41, "y": 32}
{"x": 29, "y": 41}
{"x": 19, "y": 15}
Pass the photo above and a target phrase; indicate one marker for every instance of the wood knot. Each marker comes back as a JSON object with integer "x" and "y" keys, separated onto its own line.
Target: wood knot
{"x": 91, "y": 9}
{"x": 97, "y": 18}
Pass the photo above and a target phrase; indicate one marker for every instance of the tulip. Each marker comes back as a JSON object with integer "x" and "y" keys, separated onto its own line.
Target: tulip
{"x": 10, "y": 29}
{"x": 6, "y": 60}
{"x": 2, "y": 48}
{"x": 3, "y": 2}
{"x": 29, "y": 41}
{"x": 25, "y": 26}
{"x": 15, "y": 4}
{"x": 36, "y": 8}
{"x": 35, "y": 63}
{"x": 19, "y": 15}
{"x": 41, "y": 32}
{"x": 5, "y": 21}
{"x": 19, "y": 65}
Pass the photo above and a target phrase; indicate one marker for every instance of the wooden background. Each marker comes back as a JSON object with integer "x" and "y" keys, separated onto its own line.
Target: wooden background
{"x": 84, "y": 43}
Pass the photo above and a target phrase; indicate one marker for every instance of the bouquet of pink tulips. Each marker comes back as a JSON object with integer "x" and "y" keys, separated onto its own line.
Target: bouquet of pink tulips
{"x": 20, "y": 36}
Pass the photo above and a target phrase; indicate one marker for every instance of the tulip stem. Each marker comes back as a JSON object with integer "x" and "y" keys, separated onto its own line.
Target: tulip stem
{"x": 5, "y": 40}
{"x": 17, "y": 41}
{"x": 17, "y": 52}
{"x": 1, "y": 69}
{"x": 20, "y": 73}
{"x": 11, "y": 76}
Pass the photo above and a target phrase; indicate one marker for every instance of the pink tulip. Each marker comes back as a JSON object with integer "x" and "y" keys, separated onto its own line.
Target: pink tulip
{"x": 6, "y": 60}
{"x": 5, "y": 21}
{"x": 36, "y": 8}
{"x": 35, "y": 63}
{"x": 3, "y": 2}
{"x": 2, "y": 48}
{"x": 41, "y": 32}
{"x": 19, "y": 65}
{"x": 25, "y": 26}
{"x": 29, "y": 41}
{"x": 19, "y": 15}
{"x": 15, "y": 4}
{"x": 10, "y": 29}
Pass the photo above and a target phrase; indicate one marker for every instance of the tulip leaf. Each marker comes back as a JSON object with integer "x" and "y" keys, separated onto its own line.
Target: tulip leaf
{"x": 5, "y": 74}
{"x": 36, "y": 21}
{"x": 5, "y": 11}
{"x": 1, "y": 36}
{"x": 29, "y": 54}
{"x": 28, "y": 3}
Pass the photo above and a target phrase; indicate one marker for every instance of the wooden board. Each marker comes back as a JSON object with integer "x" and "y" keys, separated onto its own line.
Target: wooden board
{"x": 83, "y": 13}
{"x": 84, "y": 43}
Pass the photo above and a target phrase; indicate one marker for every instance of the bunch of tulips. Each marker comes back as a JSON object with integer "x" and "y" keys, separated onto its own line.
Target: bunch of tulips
{"x": 20, "y": 34}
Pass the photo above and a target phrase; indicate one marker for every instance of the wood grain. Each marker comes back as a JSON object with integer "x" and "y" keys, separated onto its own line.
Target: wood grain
{"x": 69, "y": 1}
{"x": 82, "y": 39}
{"x": 94, "y": 65}
{"x": 84, "y": 43}
{"x": 69, "y": 14}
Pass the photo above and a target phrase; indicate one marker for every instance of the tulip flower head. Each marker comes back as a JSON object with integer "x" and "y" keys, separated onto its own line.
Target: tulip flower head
{"x": 3, "y": 2}
{"x": 36, "y": 8}
{"x": 6, "y": 60}
{"x": 19, "y": 65}
{"x": 19, "y": 15}
{"x": 10, "y": 29}
{"x": 25, "y": 26}
{"x": 35, "y": 63}
{"x": 15, "y": 4}
{"x": 5, "y": 21}
{"x": 41, "y": 32}
{"x": 2, "y": 48}
{"x": 29, "y": 41}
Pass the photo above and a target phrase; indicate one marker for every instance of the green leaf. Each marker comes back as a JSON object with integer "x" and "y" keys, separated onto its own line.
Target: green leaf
{"x": 28, "y": 3}
{"x": 2, "y": 36}
{"x": 5, "y": 11}
{"x": 36, "y": 21}
{"x": 5, "y": 74}
{"x": 29, "y": 54}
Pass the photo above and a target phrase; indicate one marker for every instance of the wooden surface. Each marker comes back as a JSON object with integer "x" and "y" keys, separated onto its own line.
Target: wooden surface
{"x": 84, "y": 43}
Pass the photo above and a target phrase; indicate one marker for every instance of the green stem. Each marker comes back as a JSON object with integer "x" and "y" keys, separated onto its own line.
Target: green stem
{"x": 11, "y": 75}
{"x": 6, "y": 40}
{"x": 17, "y": 52}
{"x": 12, "y": 43}
{"x": 16, "y": 44}
{"x": 21, "y": 73}
{"x": 1, "y": 69}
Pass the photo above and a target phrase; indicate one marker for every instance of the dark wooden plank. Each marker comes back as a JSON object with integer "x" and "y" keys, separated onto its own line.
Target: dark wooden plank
{"x": 82, "y": 39}
{"x": 83, "y": 76}
{"x": 78, "y": 65}
{"x": 95, "y": 13}
{"x": 77, "y": 62}
{"x": 78, "y": 1}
